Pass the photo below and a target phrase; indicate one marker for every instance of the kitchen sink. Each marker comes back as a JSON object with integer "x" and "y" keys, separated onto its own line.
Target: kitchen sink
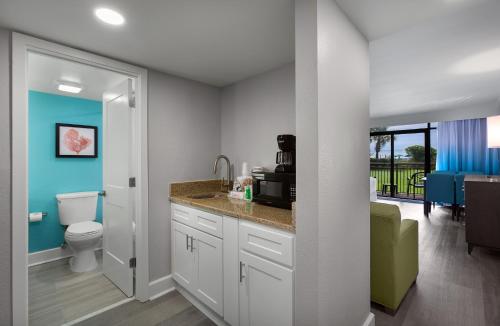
{"x": 205, "y": 196}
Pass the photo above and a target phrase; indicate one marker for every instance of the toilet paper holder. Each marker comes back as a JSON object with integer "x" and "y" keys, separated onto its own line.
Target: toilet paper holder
{"x": 36, "y": 216}
{"x": 43, "y": 214}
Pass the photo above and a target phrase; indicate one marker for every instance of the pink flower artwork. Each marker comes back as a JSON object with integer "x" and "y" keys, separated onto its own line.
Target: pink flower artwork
{"x": 74, "y": 142}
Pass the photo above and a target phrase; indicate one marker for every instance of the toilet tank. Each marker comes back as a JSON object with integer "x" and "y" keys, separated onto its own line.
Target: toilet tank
{"x": 77, "y": 207}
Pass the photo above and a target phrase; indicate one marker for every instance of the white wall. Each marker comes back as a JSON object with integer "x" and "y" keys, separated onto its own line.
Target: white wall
{"x": 253, "y": 112}
{"x": 307, "y": 210}
{"x": 5, "y": 196}
{"x": 333, "y": 225}
{"x": 184, "y": 139}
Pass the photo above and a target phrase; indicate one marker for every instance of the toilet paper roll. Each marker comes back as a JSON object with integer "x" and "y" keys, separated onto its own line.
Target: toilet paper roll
{"x": 36, "y": 216}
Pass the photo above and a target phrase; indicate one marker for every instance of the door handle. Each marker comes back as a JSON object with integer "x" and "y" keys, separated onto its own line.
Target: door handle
{"x": 241, "y": 271}
{"x": 192, "y": 243}
{"x": 187, "y": 242}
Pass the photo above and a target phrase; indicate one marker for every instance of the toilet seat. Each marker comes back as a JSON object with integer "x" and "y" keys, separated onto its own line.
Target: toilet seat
{"x": 83, "y": 230}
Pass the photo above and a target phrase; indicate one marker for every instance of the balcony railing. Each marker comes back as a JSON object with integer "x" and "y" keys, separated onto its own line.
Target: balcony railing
{"x": 403, "y": 171}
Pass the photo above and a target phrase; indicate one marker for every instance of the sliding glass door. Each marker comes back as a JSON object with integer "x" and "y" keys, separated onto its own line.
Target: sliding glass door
{"x": 399, "y": 159}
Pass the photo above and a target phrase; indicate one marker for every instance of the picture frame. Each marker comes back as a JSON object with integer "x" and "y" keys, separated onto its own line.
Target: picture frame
{"x": 76, "y": 141}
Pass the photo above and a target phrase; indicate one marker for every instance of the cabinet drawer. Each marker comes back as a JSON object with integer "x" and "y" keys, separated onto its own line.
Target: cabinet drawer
{"x": 207, "y": 222}
{"x": 198, "y": 219}
{"x": 182, "y": 214}
{"x": 267, "y": 242}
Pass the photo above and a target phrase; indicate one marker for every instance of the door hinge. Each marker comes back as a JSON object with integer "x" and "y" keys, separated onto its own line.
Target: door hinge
{"x": 131, "y": 101}
{"x": 131, "y": 94}
{"x": 131, "y": 182}
{"x": 132, "y": 262}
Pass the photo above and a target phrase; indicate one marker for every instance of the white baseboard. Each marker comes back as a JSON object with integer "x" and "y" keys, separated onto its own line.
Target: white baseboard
{"x": 201, "y": 307}
{"x": 46, "y": 256}
{"x": 370, "y": 320}
{"x": 161, "y": 286}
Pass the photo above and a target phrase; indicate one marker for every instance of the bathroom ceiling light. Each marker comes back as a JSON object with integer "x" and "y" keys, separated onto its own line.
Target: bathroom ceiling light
{"x": 69, "y": 87}
{"x": 486, "y": 61}
{"x": 109, "y": 16}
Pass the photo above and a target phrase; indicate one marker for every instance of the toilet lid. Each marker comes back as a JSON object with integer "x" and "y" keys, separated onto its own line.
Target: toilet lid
{"x": 86, "y": 228}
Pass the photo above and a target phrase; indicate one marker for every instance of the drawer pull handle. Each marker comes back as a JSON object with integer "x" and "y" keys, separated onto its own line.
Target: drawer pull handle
{"x": 241, "y": 271}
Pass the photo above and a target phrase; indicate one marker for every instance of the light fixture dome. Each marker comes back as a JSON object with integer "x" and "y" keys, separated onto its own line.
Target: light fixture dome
{"x": 109, "y": 16}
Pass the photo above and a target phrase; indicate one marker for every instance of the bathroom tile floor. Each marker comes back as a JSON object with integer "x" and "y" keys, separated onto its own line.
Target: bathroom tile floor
{"x": 57, "y": 295}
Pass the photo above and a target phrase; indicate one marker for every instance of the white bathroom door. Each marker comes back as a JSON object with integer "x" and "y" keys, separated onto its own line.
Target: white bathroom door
{"x": 118, "y": 237}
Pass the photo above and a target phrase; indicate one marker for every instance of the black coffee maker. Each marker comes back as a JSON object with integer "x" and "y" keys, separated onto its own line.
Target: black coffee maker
{"x": 285, "y": 158}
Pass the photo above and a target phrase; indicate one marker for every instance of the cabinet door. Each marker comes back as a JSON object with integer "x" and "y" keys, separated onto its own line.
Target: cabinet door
{"x": 208, "y": 264}
{"x": 183, "y": 258}
{"x": 266, "y": 292}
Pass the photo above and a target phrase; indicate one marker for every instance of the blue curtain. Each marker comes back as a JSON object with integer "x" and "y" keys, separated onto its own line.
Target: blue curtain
{"x": 462, "y": 146}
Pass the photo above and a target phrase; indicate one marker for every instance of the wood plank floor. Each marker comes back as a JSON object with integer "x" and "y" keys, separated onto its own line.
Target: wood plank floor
{"x": 57, "y": 295}
{"x": 452, "y": 287}
{"x": 168, "y": 310}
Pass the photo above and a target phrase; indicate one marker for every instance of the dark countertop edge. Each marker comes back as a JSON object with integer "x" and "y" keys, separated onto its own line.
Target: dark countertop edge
{"x": 284, "y": 227}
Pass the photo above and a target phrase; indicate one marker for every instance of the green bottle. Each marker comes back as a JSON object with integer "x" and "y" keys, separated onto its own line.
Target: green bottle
{"x": 248, "y": 193}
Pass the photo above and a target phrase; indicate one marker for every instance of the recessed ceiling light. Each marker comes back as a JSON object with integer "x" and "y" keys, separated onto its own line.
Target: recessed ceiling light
{"x": 109, "y": 16}
{"x": 483, "y": 62}
{"x": 69, "y": 87}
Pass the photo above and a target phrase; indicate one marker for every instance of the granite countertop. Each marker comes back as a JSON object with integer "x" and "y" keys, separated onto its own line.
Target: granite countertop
{"x": 221, "y": 204}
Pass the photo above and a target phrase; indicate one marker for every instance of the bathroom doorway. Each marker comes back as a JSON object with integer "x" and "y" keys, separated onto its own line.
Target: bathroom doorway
{"x": 79, "y": 132}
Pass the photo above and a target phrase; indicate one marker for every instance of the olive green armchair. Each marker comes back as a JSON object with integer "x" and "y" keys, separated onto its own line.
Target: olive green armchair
{"x": 393, "y": 254}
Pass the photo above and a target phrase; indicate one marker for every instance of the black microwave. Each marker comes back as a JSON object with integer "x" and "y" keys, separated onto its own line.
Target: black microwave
{"x": 274, "y": 189}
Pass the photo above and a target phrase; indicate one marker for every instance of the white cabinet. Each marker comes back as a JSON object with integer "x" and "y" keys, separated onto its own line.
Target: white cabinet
{"x": 182, "y": 257}
{"x": 266, "y": 292}
{"x": 208, "y": 270}
{"x": 197, "y": 264}
{"x": 242, "y": 271}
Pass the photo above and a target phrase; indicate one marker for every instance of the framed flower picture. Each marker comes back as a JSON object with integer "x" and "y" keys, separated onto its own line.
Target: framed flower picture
{"x": 76, "y": 141}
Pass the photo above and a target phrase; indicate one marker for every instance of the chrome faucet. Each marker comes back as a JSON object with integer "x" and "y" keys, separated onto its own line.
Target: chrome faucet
{"x": 224, "y": 184}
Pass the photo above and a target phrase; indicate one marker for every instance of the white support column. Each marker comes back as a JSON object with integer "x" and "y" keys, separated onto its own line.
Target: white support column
{"x": 333, "y": 223}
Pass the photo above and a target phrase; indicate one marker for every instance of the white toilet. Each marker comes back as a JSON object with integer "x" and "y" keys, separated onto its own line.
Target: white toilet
{"x": 78, "y": 211}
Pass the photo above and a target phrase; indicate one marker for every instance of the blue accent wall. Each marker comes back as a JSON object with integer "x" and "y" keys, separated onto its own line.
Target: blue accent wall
{"x": 49, "y": 175}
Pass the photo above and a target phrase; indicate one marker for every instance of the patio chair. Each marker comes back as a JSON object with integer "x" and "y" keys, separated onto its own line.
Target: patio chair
{"x": 415, "y": 181}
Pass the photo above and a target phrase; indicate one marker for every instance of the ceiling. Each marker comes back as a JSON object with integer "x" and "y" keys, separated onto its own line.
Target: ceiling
{"x": 217, "y": 42}
{"x": 379, "y": 18}
{"x": 44, "y": 72}
{"x": 414, "y": 70}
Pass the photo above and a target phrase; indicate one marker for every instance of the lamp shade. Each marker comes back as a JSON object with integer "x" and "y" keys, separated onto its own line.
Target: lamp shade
{"x": 493, "y": 131}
